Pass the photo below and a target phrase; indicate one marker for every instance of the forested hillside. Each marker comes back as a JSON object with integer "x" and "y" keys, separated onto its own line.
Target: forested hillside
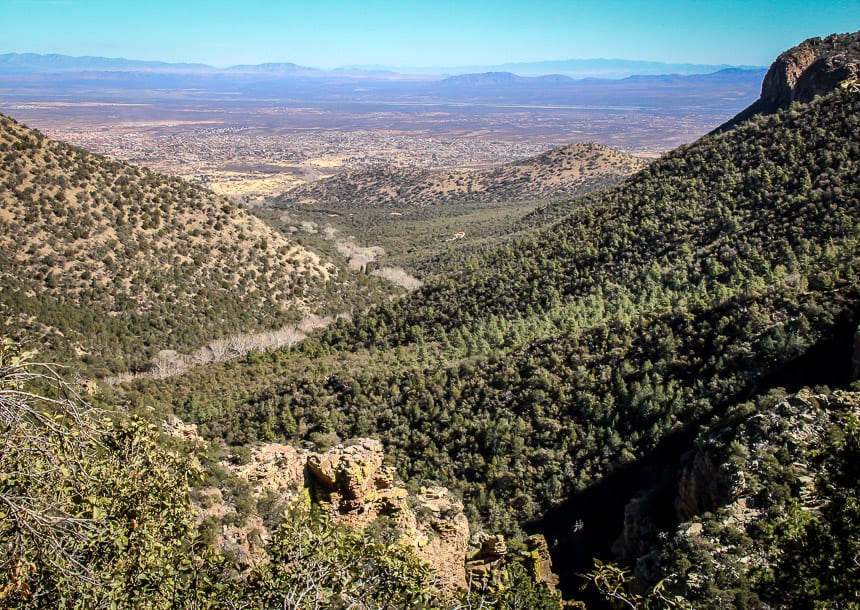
{"x": 111, "y": 263}
{"x": 541, "y": 367}
{"x": 612, "y": 381}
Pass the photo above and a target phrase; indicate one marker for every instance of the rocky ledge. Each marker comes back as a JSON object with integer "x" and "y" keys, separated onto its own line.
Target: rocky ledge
{"x": 352, "y": 484}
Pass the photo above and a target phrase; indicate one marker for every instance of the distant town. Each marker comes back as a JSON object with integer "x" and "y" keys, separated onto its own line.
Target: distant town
{"x": 241, "y": 162}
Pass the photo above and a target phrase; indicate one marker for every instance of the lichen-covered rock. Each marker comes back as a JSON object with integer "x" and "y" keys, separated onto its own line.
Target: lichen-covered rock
{"x": 322, "y": 469}
{"x": 541, "y": 560}
{"x": 489, "y": 554}
{"x": 490, "y": 547}
{"x": 347, "y": 479}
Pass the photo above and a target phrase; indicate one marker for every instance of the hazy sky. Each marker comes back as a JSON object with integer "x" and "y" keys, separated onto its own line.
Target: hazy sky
{"x": 329, "y": 33}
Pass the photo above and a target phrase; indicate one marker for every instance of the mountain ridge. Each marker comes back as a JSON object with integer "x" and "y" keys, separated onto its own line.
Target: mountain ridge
{"x": 561, "y": 172}
{"x": 573, "y": 68}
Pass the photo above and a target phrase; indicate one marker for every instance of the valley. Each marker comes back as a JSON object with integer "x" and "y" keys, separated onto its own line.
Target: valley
{"x": 564, "y": 373}
{"x": 257, "y": 137}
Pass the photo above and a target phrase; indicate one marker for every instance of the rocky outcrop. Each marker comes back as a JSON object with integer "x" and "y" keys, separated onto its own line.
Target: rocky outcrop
{"x": 175, "y": 427}
{"x": 812, "y": 68}
{"x": 489, "y": 551}
{"x": 343, "y": 479}
{"x": 723, "y": 481}
{"x": 488, "y": 554}
{"x": 726, "y": 473}
{"x": 274, "y": 468}
{"x": 705, "y": 481}
{"x": 736, "y": 483}
{"x": 541, "y": 560}
{"x": 441, "y": 534}
{"x": 639, "y": 530}
{"x": 353, "y": 485}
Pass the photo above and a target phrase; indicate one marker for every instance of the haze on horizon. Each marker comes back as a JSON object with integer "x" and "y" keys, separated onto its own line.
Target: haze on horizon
{"x": 335, "y": 33}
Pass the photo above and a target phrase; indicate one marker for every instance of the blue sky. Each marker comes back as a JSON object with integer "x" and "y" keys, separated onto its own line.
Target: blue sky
{"x": 330, "y": 33}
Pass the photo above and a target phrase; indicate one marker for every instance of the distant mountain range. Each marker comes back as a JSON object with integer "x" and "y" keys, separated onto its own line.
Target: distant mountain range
{"x": 28, "y": 63}
{"x": 573, "y": 68}
{"x": 34, "y": 63}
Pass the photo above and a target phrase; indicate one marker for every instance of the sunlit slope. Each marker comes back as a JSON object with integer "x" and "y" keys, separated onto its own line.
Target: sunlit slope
{"x": 113, "y": 261}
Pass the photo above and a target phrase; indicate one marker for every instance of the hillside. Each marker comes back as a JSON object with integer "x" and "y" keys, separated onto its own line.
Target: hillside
{"x": 539, "y": 371}
{"x": 658, "y": 378}
{"x": 562, "y": 172}
{"x": 107, "y": 261}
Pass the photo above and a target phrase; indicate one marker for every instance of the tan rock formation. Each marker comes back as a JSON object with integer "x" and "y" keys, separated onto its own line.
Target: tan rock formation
{"x": 489, "y": 555}
{"x": 352, "y": 484}
{"x": 446, "y": 532}
{"x": 276, "y": 468}
{"x": 814, "y": 67}
{"x": 176, "y": 428}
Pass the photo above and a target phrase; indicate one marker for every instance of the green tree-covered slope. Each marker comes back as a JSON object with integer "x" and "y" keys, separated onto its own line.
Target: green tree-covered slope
{"x": 540, "y": 367}
{"x": 111, "y": 263}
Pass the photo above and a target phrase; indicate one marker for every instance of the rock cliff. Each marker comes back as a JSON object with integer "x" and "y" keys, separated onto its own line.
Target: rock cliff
{"x": 814, "y": 67}
{"x": 351, "y": 483}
